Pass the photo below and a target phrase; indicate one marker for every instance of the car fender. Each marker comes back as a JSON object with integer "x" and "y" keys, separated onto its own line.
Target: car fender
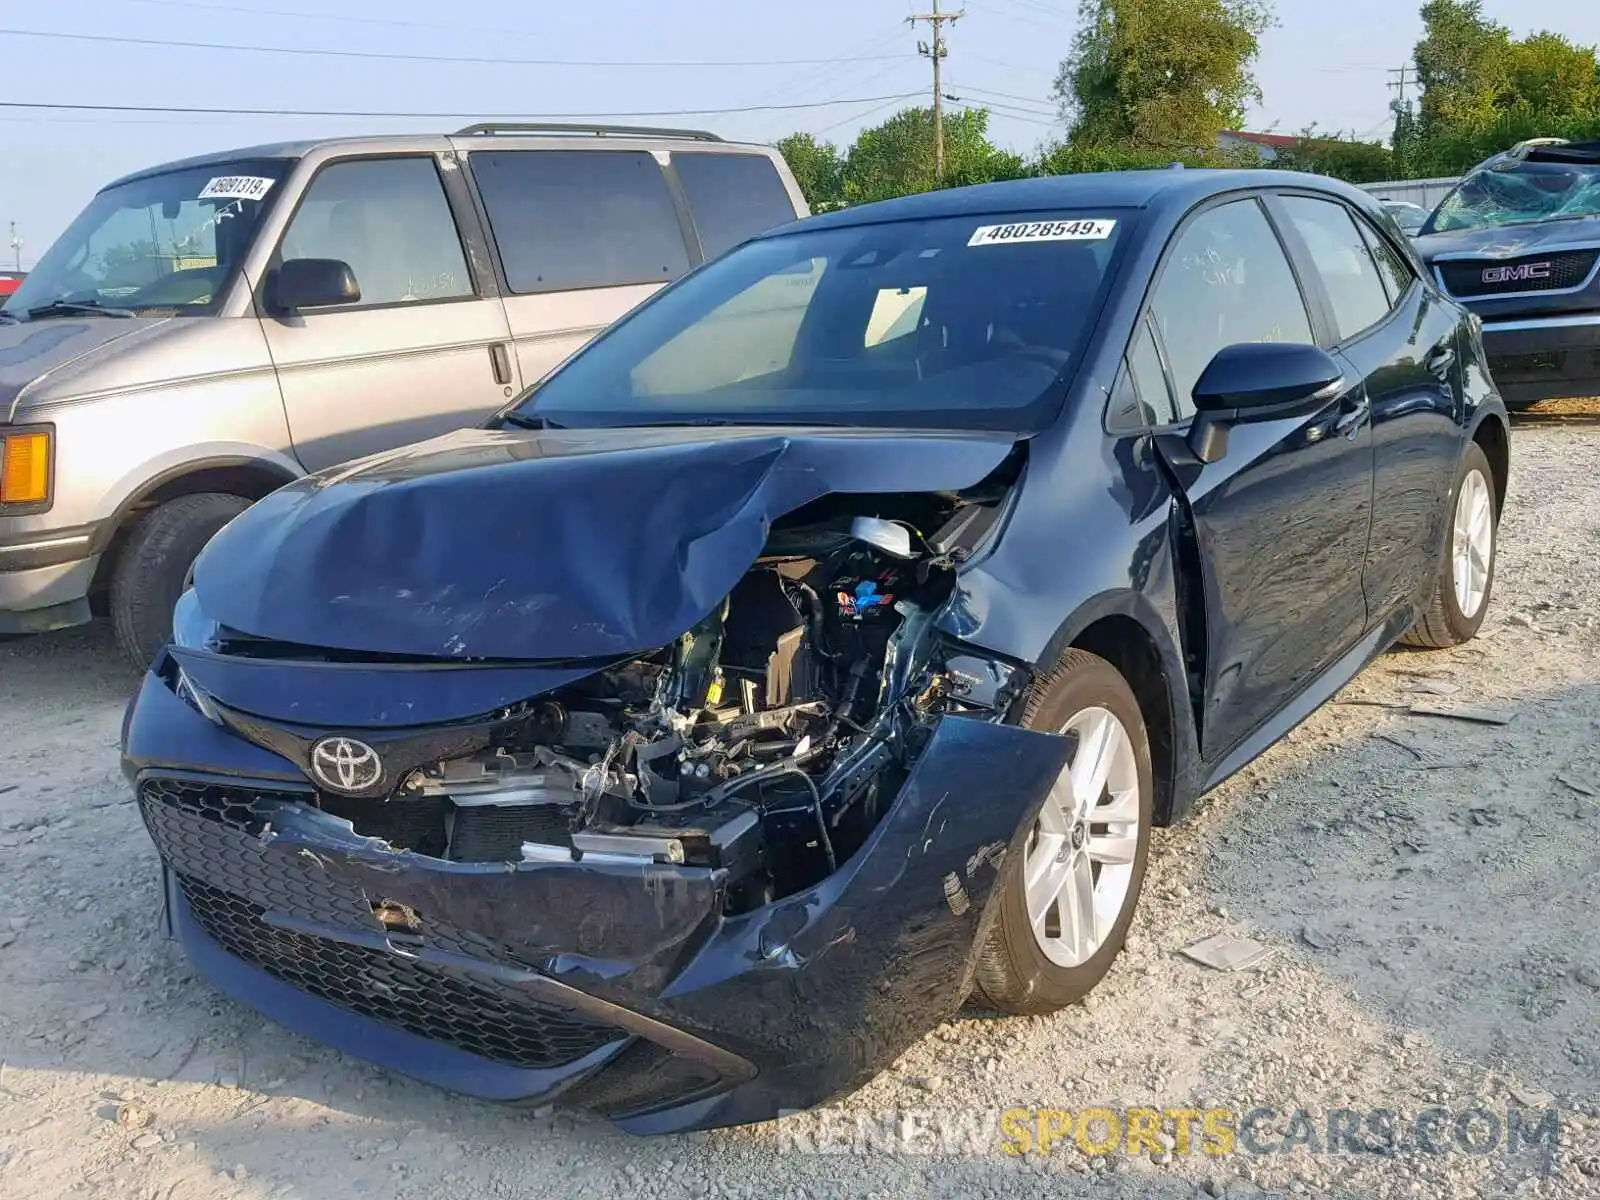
{"x": 152, "y": 474}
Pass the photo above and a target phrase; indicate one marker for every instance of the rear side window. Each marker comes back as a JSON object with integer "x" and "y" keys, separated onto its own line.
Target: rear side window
{"x": 1397, "y": 277}
{"x": 571, "y": 219}
{"x": 732, "y": 197}
{"x": 1342, "y": 259}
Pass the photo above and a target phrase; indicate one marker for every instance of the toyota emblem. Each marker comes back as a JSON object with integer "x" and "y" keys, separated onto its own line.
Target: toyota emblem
{"x": 343, "y": 764}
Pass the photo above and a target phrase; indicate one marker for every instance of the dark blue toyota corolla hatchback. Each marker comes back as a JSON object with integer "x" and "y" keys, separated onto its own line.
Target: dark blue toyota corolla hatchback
{"x": 816, "y": 649}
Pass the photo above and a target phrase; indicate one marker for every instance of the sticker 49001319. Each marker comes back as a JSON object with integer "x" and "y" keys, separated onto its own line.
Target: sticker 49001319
{"x": 236, "y": 187}
{"x": 1088, "y": 229}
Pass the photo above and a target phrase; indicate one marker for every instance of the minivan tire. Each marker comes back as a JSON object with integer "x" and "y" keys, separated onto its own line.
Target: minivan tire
{"x": 153, "y": 568}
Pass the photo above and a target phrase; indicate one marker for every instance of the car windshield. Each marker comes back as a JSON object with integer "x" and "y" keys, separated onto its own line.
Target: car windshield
{"x": 959, "y": 322}
{"x": 161, "y": 244}
{"x": 1520, "y": 194}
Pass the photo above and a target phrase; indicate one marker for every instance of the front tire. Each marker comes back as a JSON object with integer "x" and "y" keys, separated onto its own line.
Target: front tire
{"x": 1465, "y": 579}
{"x": 154, "y": 567}
{"x": 1072, "y": 875}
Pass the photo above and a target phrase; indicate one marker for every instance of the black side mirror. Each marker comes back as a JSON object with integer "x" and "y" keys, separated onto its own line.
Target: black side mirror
{"x": 1258, "y": 381}
{"x": 312, "y": 283}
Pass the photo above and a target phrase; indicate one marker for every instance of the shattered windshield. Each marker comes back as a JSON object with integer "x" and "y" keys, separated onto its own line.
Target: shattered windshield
{"x": 960, "y": 322}
{"x": 1520, "y": 194}
{"x": 161, "y": 244}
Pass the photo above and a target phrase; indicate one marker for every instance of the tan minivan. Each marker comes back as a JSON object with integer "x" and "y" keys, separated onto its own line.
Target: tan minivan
{"x": 209, "y": 330}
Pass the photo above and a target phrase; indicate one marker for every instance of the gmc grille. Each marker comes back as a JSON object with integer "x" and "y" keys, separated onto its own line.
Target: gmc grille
{"x": 1555, "y": 272}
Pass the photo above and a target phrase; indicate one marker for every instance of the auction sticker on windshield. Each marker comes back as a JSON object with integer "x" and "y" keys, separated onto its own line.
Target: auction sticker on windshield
{"x": 236, "y": 187}
{"x": 1088, "y": 230}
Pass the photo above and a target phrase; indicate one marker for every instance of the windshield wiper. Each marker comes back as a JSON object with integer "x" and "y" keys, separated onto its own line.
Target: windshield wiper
{"x": 528, "y": 421}
{"x": 78, "y": 308}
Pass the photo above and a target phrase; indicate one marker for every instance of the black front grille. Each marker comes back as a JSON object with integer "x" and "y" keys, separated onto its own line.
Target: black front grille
{"x": 460, "y": 1009}
{"x": 1556, "y": 272}
{"x": 210, "y": 835}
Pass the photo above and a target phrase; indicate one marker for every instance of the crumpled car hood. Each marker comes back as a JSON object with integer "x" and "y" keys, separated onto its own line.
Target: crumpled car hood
{"x": 551, "y": 545}
{"x": 1510, "y": 241}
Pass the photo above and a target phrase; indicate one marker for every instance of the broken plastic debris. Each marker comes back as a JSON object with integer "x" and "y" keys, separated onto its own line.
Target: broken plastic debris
{"x": 1223, "y": 952}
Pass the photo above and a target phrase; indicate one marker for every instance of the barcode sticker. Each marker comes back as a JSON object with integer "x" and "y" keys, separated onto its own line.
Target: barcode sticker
{"x": 1095, "y": 229}
{"x": 236, "y": 187}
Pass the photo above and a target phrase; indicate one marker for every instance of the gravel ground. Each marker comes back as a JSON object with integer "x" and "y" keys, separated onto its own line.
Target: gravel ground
{"x": 1425, "y": 887}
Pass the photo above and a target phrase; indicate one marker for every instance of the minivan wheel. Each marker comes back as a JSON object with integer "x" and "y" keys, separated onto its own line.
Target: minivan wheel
{"x": 1465, "y": 579}
{"x": 153, "y": 568}
{"x": 1071, "y": 878}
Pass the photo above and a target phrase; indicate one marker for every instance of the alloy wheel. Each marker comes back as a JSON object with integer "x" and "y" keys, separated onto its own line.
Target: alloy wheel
{"x": 1472, "y": 544}
{"x": 1078, "y": 861}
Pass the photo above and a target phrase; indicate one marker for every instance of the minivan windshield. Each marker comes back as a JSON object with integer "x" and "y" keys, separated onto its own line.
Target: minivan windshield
{"x": 1520, "y": 194}
{"x": 953, "y": 322}
{"x": 164, "y": 244}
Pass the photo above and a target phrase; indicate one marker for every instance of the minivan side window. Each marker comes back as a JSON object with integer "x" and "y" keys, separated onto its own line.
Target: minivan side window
{"x": 732, "y": 197}
{"x": 1226, "y": 281}
{"x": 389, "y": 220}
{"x": 1343, "y": 261}
{"x": 571, "y": 219}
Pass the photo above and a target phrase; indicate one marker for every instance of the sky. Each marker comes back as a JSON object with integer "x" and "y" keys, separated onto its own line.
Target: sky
{"x": 853, "y": 61}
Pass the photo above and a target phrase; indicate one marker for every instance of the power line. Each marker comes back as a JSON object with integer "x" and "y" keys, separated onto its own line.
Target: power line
{"x": 1044, "y": 104}
{"x": 466, "y": 59}
{"x": 1005, "y": 110}
{"x": 1013, "y": 116}
{"x": 860, "y": 116}
{"x": 1013, "y": 15}
{"x": 197, "y": 110}
{"x": 389, "y": 22}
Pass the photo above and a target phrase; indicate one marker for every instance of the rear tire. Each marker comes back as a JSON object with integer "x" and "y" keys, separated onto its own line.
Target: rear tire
{"x": 1465, "y": 579}
{"x": 154, "y": 567}
{"x": 1029, "y": 967}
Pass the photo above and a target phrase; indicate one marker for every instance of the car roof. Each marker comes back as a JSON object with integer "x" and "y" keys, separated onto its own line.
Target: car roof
{"x": 547, "y": 136}
{"x": 1158, "y": 189}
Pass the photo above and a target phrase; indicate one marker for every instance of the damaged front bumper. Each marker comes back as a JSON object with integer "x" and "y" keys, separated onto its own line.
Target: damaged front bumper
{"x": 620, "y": 987}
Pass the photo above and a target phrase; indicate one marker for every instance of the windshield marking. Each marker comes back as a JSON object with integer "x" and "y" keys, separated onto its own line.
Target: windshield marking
{"x": 237, "y": 187}
{"x": 1092, "y": 230}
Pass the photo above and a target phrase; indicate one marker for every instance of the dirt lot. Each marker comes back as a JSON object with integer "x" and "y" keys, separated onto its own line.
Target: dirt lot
{"x": 1426, "y": 886}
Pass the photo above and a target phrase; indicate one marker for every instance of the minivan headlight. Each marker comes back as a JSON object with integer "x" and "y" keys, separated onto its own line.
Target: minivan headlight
{"x": 25, "y": 468}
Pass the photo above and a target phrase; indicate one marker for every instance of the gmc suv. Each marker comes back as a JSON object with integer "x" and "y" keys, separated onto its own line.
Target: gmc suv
{"x": 1518, "y": 242}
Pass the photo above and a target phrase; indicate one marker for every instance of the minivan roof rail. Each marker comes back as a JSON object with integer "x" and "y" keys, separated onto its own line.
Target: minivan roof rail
{"x": 486, "y": 128}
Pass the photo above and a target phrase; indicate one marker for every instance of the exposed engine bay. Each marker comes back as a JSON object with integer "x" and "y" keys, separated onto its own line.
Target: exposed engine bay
{"x": 767, "y": 741}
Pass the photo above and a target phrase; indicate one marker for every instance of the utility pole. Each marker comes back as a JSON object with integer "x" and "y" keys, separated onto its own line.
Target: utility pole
{"x": 16, "y": 246}
{"x": 936, "y": 50}
{"x": 1404, "y": 77}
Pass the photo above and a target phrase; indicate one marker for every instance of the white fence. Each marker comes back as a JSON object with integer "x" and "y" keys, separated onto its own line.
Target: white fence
{"x": 1426, "y": 192}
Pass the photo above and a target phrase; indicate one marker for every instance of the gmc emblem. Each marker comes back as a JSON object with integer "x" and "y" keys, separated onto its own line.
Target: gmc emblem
{"x": 1539, "y": 270}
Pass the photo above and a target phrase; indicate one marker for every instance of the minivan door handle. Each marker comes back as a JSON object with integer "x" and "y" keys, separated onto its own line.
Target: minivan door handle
{"x": 500, "y": 361}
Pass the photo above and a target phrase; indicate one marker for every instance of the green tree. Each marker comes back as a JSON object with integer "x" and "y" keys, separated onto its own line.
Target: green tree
{"x": 1463, "y": 66}
{"x": 896, "y": 157}
{"x": 1551, "y": 77}
{"x": 818, "y": 168}
{"x": 1165, "y": 75}
{"x": 1347, "y": 158}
